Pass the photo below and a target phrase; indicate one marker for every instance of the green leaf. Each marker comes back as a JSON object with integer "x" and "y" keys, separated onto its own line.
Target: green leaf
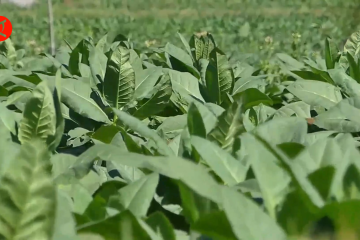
{"x": 228, "y": 127}
{"x": 155, "y": 101}
{"x": 123, "y": 226}
{"x": 219, "y": 76}
{"x": 97, "y": 63}
{"x": 202, "y": 46}
{"x": 119, "y": 80}
{"x": 195, "y": 176}
{"x": 77, "y": 96}
{"x": 345, "y": 82}
{"x": 281, "y": 130}
{"x": 179, "y": 60}
{"x": 297, "y": 173}
{"x": 256, "y": 224}
{"x": 39, "y": 117}
{"x": 9, "y": 118}
{"x": 136, "y": 196}
{"x": 64, "y": 227}
{"x": 185, "y": 84}
{"x": 292, "y": 63}
{"x": 353, "y": 67}
{"x": 331, "y": 53}
{"x": 351, "y": 46}
{"x": 54, "y": 141}
{"x": 195, "y": 123}
{"x": 199, "y": 180}
{"x": 343, "y": 117}
{"x": 216, "y": 225}
{"x": 299, "y": 109}
{"x": 321, "y": 179}
{"x": 229, "y": 169}
{"x": 258, "y": 82}
{"x": 173, "y": 126}
{"x": 159, "y": 223}
{"x": 145, "y": 80}
{"x": 316, "y": 93}
{"x": 252, "y": 97}
{"x": 272, "y": 179}
{"x": 79, "y": 55}
{"x": 138, "y": 126}
{"x": 106, "y": 133}
{"x": 28, "y": 204}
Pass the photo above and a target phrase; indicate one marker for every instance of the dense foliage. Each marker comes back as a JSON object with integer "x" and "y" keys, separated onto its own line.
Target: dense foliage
{"x": 104, "y": 141}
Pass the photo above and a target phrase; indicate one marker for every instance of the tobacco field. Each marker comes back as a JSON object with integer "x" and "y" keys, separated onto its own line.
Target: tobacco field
{"x": 211, "y": 129}
{"x": 104, "y": 141}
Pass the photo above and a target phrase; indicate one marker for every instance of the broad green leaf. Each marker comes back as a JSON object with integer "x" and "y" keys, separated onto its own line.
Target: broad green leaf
{"x": 145, "y": 80}
{"x": 351, "y": 46}
{"x": 291, "y": 63}
{"x": 64, "y": 226}
{"x": 39, "y": 117}
{"x": 159, "y": 223}
{"x": 228, "y": 127}
{"x": 193, "y": 175}
{"x": 136, "y": 196}
{"x": 208, "y": 116}
{"x": 343, "y": 117}
{"x": 194, "y": 205}
{"x": 78, "y": 96}
{"x": 138, "y": 126}
{"x": 298, "y": 174}
{"x": 155, "y": 101}
{"x": 119, "y": 79}
{"x": 258, "y": 82}
{"x": 179, "y": 54}
{"x": 97, "y": 63}
{"x": 216, "y": 225}
{"x": 185, "y": 84}
{"x": 327, "y": 152}
{"x": 331, "y": 53}
{"x": 281, "y": 130}
{"x": 219, "y": 76}
{"x": 54, "y": 141}
{"x": 345, "y": 82}
{"x": 299, "y": 109}
{"x": 354, "y": 67}
{"x": 106, "y": 133}
{"x": 28, "y": 203}
{"x": 79, "y": 55}
{"x": 272, "y": 179}
{"x": 173, "y": 126}
{"x": 123, "y": 226}
{"x": 322, "y": 179}
{"x": 229, "y": 169}
{"x": 195, "y": 122}
{"x": 9, "y": 118}
{"x": 179, "y": 60}
{"x": 202, "y": 46}
{"x": 316, "y": 93}
{"x": 197, "y": 178}
{"x": 255, "y": 224}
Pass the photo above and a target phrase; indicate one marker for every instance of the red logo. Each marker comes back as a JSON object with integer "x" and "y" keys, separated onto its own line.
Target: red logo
{"x": 5, "y": 28}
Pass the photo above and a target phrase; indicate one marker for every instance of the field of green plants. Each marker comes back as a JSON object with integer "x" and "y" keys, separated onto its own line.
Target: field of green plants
{"x": 184, "y": 139}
